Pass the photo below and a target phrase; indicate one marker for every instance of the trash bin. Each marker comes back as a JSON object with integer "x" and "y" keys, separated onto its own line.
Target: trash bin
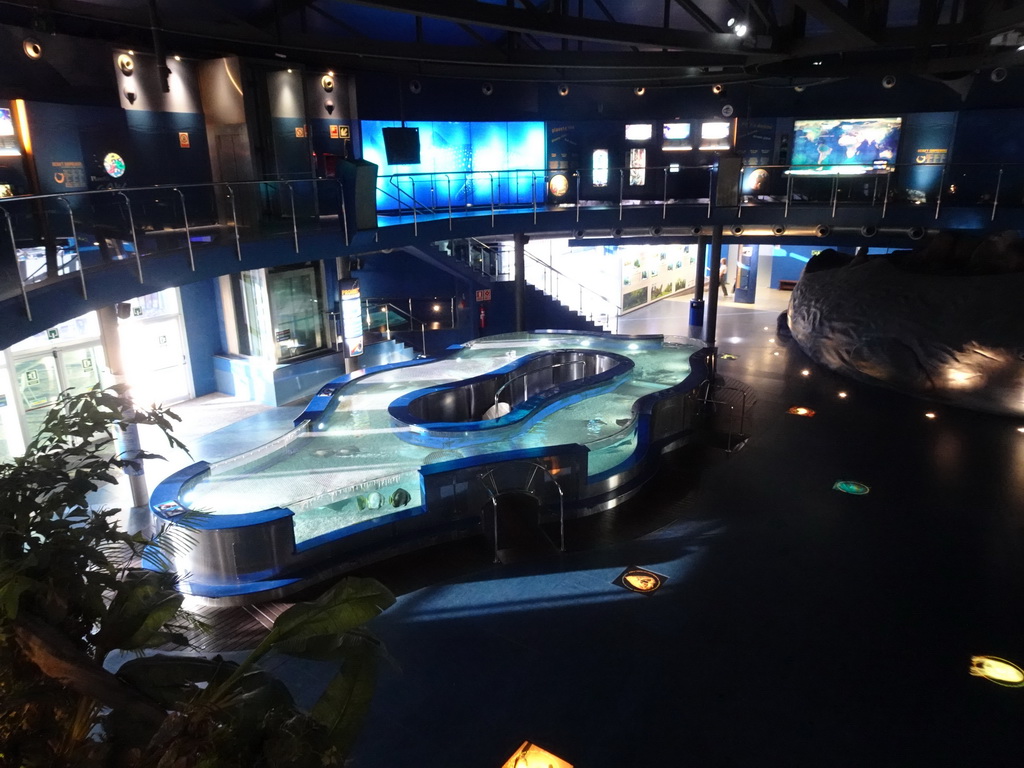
{"x": 697, "y": 312}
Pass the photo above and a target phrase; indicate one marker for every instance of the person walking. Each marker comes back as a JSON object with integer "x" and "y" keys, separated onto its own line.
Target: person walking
{"x": 722, "y": 275}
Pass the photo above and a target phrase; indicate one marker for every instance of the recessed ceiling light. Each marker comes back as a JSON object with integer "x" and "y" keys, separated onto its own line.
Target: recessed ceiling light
{"x": 805, "y": 372}
{"x": 929, "y": 415}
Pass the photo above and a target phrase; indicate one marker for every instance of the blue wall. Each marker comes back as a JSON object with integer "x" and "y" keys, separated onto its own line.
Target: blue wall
{"x": 199, "y": 308}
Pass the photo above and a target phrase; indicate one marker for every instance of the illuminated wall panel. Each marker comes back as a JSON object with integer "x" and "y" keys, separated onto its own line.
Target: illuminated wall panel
{"x": 460, "y": 163}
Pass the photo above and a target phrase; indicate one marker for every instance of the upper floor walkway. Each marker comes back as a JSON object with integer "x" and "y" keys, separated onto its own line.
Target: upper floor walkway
{"x": 63, "y": 255}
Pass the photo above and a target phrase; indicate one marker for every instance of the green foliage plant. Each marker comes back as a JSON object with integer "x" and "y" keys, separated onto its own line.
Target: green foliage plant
{"x": 72, "y": 593}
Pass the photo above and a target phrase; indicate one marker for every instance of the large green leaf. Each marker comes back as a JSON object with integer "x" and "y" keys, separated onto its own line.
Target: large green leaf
{"x": 314, "y": 629}
{"x": 346, "y": 700}
{"x": 143, "y": 604}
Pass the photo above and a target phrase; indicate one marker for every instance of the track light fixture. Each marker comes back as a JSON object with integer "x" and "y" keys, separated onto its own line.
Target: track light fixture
{"x": 888, "y": 81}
{"x": 563, "y": 90}
{"x": 639, "y": 90}
{"x": 32, "y": 48}
{"x": 487, "y": 89}
{"x": 415, "y": 86}
{"x": 718, "y": 89}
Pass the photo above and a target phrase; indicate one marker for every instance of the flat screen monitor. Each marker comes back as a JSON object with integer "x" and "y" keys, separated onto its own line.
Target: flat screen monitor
{"x": 855, "y": 146}
{"x": 676, "y": 137}
{"x": 402, "y": 145}
{"x": 639, "y": 131}
{"x": 716, "y": 135}
{"x": 8, "y": 141}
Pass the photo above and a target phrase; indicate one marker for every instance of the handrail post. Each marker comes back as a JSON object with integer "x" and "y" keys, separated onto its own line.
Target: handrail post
{"x": 449, "y": 178}
{"x": 835, "y": 194}
{"x": 234, "y": 221}
{"x": 789, "y": 195}
{"x": 621, "y": 180}
{"x": 885, "y": 202}
{"x": 664, "y": 195}
{"x": 78, "y": 252}
{"x": 995, "y": 198}
{"x": 491, "y": 177}
{"x": 711, "y": 187}
{"x": 188, "y": 231}
{"x": 14, "y": 253}
{"x": 295, "y": 225}
{"x": 344, "y": 209}
{"x": 135, "y": 240}
{"x": 577, "y": 175}
{"x": 938, "y": 197}
{"x": 533, "y": 193}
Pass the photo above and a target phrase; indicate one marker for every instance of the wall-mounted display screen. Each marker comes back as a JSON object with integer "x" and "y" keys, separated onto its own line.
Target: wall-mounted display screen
{"x": 600, "y": 167}
{"x": 716, "y": 134}
{"x": 676, "y": 137}
{"x": 458, "y": 162}
{"x": 844, "y": 146}
{"x": 8, "y": 141}
{"x": 637, "y": 167}
{"x": 639, "y": 131}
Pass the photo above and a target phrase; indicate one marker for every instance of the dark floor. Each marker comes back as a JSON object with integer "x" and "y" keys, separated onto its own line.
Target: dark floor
{"x": 798, "y": 626}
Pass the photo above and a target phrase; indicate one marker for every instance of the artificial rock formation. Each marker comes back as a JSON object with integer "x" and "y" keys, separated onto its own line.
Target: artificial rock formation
{"x": 945, "y": 321}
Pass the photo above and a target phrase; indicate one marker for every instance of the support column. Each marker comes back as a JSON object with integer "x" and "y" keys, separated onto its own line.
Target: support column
{"x": 711, "y": 326}
{"x": 697, "y": 304}
{"x": 521, "y": 240}
{"x": 128, "y": 444}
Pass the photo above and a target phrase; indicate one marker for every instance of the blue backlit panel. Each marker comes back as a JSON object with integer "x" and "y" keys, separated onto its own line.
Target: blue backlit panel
{"x": 460, "y": 163}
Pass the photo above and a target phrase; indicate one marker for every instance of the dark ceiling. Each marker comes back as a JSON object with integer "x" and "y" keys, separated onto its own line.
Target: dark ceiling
{"x": 636, "y": 42}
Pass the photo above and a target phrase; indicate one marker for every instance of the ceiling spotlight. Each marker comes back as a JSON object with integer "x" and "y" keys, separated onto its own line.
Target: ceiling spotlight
{"x": 718, "y": 88}
{"x": 639, "y": 90}
{"x": 888, "y": 81}
{"x": 327, "y": 82}
{"x": 32, "y": 48}
{"x": 741, "y": 29}
{"x": 563, "y": 90}
{"x": 415, "y": 86}
{"x": 998, "y": 74}
{"x": 730, "y": 22}
{"x": 126, "y": 64}
{"x": 487, "y": 89}
{"x": 177, "y": 57}
{"x": 799, "y": 88}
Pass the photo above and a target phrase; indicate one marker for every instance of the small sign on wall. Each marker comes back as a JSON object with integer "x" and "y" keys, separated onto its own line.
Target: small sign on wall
{"x": 334, "y": 131}
{"x": 483, "y": 295}
{"x": 344, "y": 132}
{"x": 183, "y": 140}
{"x": 300, "y": 132}
{"x": 69, "y": 174}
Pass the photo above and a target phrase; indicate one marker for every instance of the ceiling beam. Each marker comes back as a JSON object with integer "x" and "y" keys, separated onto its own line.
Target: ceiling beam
{"x": 699, "y": 16}
{"x": 556, "y": 25}
{"x": 838, "y": 18}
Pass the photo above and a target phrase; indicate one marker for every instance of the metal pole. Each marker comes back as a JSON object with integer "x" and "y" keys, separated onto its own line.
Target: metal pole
{"x": 711, "y": 326}
{"x": 234, "y": 221}
{"x": 491, "y": 177}
{"x": 664, "y": 201}
{"x": 711, "y": 187}
{"x": 533, "y": 194}
{"x": 835, "y": 194}
{"x": 188, "y": 231}
{"x": 577, "y": 175}
{"x": 78, "y": 253}
{"x": 520, "y": 285}
{"x": 449, "y": 178}
{"x": 885, "y": 202}
{"x": 995, "y": 200}
{"x": 295, "y": 224}
{"x": 344, "y": 209}
{"x": 789, "y": 195}
{"x": 14, "y": 254}
{"x": 135, "y": 240}
{"x": 938, "y": 197}
{"x": 621, "y": 179}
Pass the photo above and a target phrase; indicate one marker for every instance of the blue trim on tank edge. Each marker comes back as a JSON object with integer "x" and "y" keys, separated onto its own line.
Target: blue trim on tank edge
{"x": 527, "y": 411}
{"x": 362, "y": 525}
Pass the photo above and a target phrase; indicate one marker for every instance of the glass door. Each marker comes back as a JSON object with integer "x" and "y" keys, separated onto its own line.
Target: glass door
{"x": 43, "y": 376}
